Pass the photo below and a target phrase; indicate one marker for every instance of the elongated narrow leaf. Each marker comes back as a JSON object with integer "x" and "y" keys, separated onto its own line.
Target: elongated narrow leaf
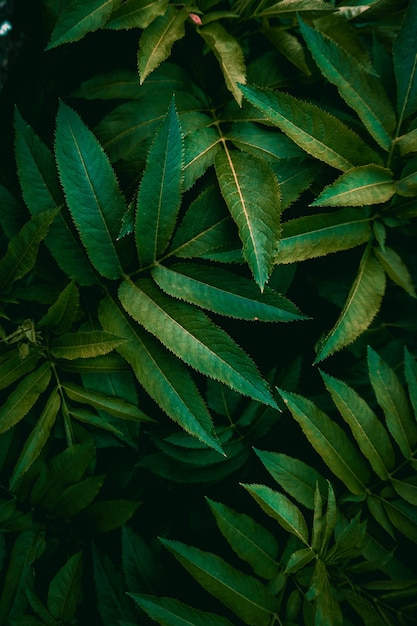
{"x": 330, "y": 442}
{"x": 281, "y": 509}
{"x": 64, "y": 592}
{"x": 289, "y": 46}
{"x": 367, "y": 184}
{"x": 41, "y": 190}
{"x": 200, "y": 147}
{"x": 407, "y": 143}
{"x": 369, "y": 432}
{"x": 115, "y": 406}
{"x": 84, "y": 344}
{"x": 202, "y": 231}
{"x": 136, "y": 14}
{"x": 223, "y": 292}
{"x": 78, "y": 18}
{"x": 257, "y": 216}
{"x": 280, "y": 9}
{"x": 37, "y": 438}
{"x": 22, "y": 399}
{"x": 171, "y": 612}
{"x": 294, "y": 176}
{"x": 296, "y": 477}
{"x": 62, "y": 313}
{"x": 317, "y": 132}
{"x": 251, "y": 601}
{"x": 248, "y": 539}
{"x": 403, "y": 516}
{"x": 396, "y": 269}
{"x": 393, "y": 400}
{"x": 410, "y": 367}
{"x": 14, "y": 368}
{"x": 362, "y": 91}
{"x": 361, "y": 306}
{"x": 406, "y": 488}
{"x": 318, "y": 235}
{"x": 229, "y": 55}
{"x": 262, "y": 142}
{"x": 159, "y": 194}
{"x": 110, "y": 85}
{"x": 23, "y": 249}
{"x": 405, "y": 63}
{"x": 191, "y": 336}
{"x": 91, "y": 189}
{"x": 163, "y": 376}
{"x": 158, "y": 38}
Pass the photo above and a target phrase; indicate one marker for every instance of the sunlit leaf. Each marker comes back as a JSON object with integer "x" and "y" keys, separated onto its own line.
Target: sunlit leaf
{"x": 84, "y": 344}
{"x": 365, "y": 185}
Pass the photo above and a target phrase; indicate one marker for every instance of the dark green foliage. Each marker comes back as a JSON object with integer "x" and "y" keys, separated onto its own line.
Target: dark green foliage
{"x": 205, "y": 202}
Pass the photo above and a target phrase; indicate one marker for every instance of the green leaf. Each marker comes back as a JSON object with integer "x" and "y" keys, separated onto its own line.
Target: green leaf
{"x": 396, "y": 269}
{"x": 78, "y": 19}
{"x": 318, "y": 235}
{"x": 37, "y": 438}
{"x": 280, "y": 508}
{"x": 296, "y": 477}
{"x": 159, "y": 196}
{"x": 329, "y": 441}
{"x": 84, "y": 344}
{"x": 115, "y": 406}
{"x": 112, "y": 84}
{"x": 14, "y": 368}
{"x": 74, "y": 498}
{"x": 170, "y": 612}
{"x": 280, "y": 9}
{"x": 41, "y": 190}
{"x": 262, "y": 142}
{"x": 22, "y": 250}
{"x": 364, "y": 185}
{"x": 229, "y": 54}
{"x": 191, "y": 336}
{"x": 406, "y": 488}
{"x": 111, "y": 597}
{"x": 12, "y": 215}
{"x": 136, "y": 14}
{"x": 294, "y": 176}
{"x": 258, "y": 221}
{"x": 407, "y": 143}
{"x": 22, "y": 399}
{"x": 369, "y": 432}
{"x": 251, "y": 542}
{"x": 107, "y": 515}
{"x": 202, "y": 231}
{"x": 139, "y": 559}
{"x": 200, "y": 147}
{"x": 27, "y": 548}
{"x": 403, "y": 516}
{"x": 91, "y": 189}
{"x": 393, "y": 400}
{"x": 405, "y": 63}
{"x": 362, "y": 91}
{"x": 158, "y": 38}
{"x": 317, "y": 132}
{"x": 299, "y": 559}
{"x": 163, "y": 377}
{"x": 223, "y": 292}
{"x": 361, "y": 306}
{"x": 289, "y": 46}
{"x": 251, "y": 601}
{"x": 410, "y": 367}
{"x": 64, "y": 592}
{"x": 62, "y": 313}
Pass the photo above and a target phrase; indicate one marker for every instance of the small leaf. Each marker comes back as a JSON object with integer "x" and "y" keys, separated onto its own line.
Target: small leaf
{"x": 158, "y": 38}
{"x": 393, "y": 400}
{"x": 37, "y": 438}
{"x": 283, "y": 7}
{"x": 112, "y": 602}
{"x": 159, "y": 196}
{"x": 229, "y": 55}
{"x": 369, "y": 432}
{"x": 396, "y": 269}
{"x": 251, "y": 601}
{"x": 296, "y": 477}
{"x": 84, "y": 344}
{"x": 299, "y": 559}
{"x": 170, "y": 612}
{"x": 64, "y": 592}
{"x": 329, "y": 441}
{"x": 318, "y": 235}
{"x": 115, "y": 406}
{"x": 317, "y": 132}
{"x": 200, "y": 147}
{"x": 191, "y": 336}
{"x": 257, "y": 219}
{"x": 22, "y": 399}
{"x": 163, "y": 376}
{"x": 406, "y": 488}
{"x": 74, "y": 498}
{"x": 280, "y": 508}
{"x": 364, "y": 185}
{"x": 139, "y": 560}
{"x": 404, "y": 518}
{"x": 225, "y": 293}
{"x": 91, "y": 189}
{"x": 262, "y": 142}
{"x": 78, "y": 19}
{"x": 410, "y": 367}
{"x": 361, "y": 306}
{"x": 362, "y": 91}
{"x": 251, "y": 542}
{"x": 405, "y": 64}
{"x": 107, "y": 515}
{"x": 23, "y": 249}
{"x": 62, "y": 313}
{"x": 136, "y": 14}
{"x": 110, "y": 85}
